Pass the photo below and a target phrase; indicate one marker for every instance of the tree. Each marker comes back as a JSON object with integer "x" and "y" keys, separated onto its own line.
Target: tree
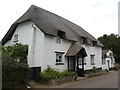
{"x": 111, "y": 42}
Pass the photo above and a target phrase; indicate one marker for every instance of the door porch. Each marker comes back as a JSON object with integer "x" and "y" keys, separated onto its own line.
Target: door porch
{"x": 76, "y": 55}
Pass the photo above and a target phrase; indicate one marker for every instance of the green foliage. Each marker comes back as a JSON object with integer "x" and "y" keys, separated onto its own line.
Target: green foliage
{"x": 18, "y": 52}
{"x": 94, "y": 69}
{"x": 69, "y": 73}
{"x": 14, "y": 73}
{"x": 95, "y": 72}
{"x": 51, "y": 73}
{"x": 111, "y": 42}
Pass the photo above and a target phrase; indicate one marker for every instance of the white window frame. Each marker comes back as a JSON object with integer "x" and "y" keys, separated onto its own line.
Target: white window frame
{"x": 92, "y": 59}
{"x": 80, "y": 61}
{"x": 59, "y": 58}
{"x": 16, "y": 38}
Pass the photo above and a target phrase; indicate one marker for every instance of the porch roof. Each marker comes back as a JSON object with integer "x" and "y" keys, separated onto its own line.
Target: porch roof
{"x": 75, "y": 49}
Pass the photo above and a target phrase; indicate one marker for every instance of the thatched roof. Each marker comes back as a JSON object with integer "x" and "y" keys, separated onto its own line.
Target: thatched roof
{"x": 50, "y": 23}
{"x": 75, "y": 49}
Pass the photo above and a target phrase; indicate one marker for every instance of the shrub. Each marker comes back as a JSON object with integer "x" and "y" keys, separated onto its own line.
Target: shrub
{"x": 49, "y": 74}
{"x": 69, "y": 73}
{"x": 94, "y": 69}
{"x": 17, "y": 52}
{"x": 14, "y": 73}
{"x": 14, "y": 77}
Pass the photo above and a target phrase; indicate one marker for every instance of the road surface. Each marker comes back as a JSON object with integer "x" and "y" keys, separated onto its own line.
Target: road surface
{"x": 105, "y": 81}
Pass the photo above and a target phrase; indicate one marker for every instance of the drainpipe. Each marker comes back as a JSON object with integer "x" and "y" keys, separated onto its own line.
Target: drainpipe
{"x": 33, "y": 44}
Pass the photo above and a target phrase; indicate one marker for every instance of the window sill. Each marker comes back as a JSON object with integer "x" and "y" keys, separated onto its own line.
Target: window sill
{"x": 59, "y": 64}
{"x": 93, "y": 64}
{"x": 15, "y": 41}
{"x": 84, "y": 64}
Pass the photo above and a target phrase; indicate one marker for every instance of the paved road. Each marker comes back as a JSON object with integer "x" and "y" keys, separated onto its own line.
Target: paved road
{"x": 105, "y": 81}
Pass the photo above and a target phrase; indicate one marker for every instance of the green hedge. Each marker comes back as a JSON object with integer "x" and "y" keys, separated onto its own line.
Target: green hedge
{"x": 14, "y": 77}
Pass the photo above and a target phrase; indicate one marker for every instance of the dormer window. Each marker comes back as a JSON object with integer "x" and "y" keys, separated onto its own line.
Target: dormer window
{"x": 61, "y": 34}
{"x": 94, "y": 43}
{"x": 84, "y": 40}
{"x": 16, "y": 38}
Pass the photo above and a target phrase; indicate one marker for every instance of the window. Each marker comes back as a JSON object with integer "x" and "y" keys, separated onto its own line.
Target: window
{"x": 84, "y": 40}
{"x": 80, "y": 61}
{"x": 16, "y": 38}
{"x": 59, "y": 58}
{"x": 94, "y": 43}
{"x": 103, "y": 60}
{"x": 61, "y": 34}
{"x": 92, "y": 57}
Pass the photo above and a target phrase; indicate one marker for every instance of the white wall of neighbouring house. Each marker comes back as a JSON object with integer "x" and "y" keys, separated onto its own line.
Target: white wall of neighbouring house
{"x": 26, "y": 33}
{"x": 109, "y": 59}
{"x": 105, "y": 66}
{"x": 50, "y": 46}
{"x": 93, "y": 51}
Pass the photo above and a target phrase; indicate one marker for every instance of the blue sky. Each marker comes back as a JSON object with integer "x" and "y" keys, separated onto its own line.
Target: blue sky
{"x": 98, "y": 17}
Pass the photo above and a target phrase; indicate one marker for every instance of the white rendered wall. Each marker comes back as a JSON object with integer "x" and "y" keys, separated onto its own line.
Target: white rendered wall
{"x": 93, "y": 51}
{"x": 50, "y": 46}
{"x": 105, "y": 66}
{"x": 45, "y": 47}
{"x": 111, "y": 61}
{"x": 25, "y": 35}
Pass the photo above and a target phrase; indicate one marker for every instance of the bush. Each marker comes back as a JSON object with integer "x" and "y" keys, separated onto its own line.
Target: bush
{"x": 51, "y": 73}
{"x": 94, "y": 69}
{"x": 69, "y": 73}
{"x": 18, "y": 52}
{"x": 14, "y": 77}
{"x": 14, "y": 73}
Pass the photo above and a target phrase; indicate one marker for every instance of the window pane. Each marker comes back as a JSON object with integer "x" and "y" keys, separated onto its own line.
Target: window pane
{"x": 59, "y": 57}
{"x": 16, "y": 37}
{"x": 92, "y": 59}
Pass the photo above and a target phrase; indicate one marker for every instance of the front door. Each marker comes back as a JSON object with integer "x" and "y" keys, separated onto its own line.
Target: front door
{"x": 71, "y": 63}
{"x": 80, "y": 66}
